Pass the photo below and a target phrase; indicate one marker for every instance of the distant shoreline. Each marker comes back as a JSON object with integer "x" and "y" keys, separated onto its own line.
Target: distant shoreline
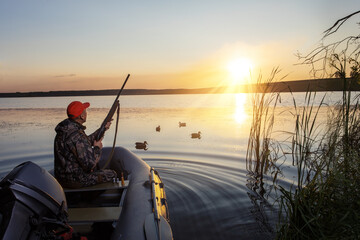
{"x": 329, "y": 84}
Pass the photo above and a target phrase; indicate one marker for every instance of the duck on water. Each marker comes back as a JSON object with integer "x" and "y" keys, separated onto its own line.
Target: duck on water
{"x": 182, "y": 124}
{"x": 141, "y": 145}
{"x": 196, "y": 135}
{"x": 134, "y": 209}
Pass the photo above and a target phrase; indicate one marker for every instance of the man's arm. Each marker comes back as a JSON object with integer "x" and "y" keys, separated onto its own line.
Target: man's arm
{"x": 92, "y": 136}
{"x": 88, "y": 156}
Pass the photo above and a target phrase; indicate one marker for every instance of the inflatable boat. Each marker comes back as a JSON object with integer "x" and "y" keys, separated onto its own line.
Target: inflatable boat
{"x": 33, "y": 205}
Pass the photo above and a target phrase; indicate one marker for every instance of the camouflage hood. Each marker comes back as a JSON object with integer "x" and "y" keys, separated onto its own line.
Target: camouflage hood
{"x": 68, "y": 126}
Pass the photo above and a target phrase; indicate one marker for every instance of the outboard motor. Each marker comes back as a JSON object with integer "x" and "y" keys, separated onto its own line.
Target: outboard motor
{"x": 32, "y": 204}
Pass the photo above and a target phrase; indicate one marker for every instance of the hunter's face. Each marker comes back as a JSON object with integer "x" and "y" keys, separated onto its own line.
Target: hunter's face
{"x": 84, "y": 115}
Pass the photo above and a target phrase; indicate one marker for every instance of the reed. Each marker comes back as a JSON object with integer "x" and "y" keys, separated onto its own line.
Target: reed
{"x": 306, "y": 142}
{"x": 261, "y": 151}
{"x": 325, "y": 201}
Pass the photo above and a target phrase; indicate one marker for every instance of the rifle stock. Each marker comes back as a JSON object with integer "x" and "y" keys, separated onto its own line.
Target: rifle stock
{"x": 111, "y": 113}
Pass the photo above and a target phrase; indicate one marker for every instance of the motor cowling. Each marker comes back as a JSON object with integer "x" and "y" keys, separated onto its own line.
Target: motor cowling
{"x": 32, "y": 204}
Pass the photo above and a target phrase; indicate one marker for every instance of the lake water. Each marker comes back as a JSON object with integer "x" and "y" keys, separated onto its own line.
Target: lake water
{"x": 211, "y": 194}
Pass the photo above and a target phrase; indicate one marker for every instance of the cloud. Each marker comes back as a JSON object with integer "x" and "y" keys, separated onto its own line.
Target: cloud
{"x": 65, "y": 75}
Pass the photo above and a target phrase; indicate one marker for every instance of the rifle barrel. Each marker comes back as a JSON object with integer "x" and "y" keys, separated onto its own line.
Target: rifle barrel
{"x": 111, "y": 111}
{"x": 116, "y": 99}
{"x": 122, "y": 87}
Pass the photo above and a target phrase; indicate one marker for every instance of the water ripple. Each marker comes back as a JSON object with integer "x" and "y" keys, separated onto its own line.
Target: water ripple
{"x": 211, "y": 201}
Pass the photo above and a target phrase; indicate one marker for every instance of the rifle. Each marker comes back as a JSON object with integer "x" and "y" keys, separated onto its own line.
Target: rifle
{"x": 111, "y": 113}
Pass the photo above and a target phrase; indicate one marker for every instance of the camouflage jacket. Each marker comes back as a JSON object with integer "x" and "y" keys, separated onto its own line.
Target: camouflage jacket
{"x": 75, "y": 157}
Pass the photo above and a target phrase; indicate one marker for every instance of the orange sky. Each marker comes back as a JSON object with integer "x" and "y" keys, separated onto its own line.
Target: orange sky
{"x": 65, "y": 45}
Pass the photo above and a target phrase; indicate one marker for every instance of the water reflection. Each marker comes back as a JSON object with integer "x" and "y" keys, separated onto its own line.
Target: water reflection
{"x": 240, "y": 114}
{"x": 259, "y": 195}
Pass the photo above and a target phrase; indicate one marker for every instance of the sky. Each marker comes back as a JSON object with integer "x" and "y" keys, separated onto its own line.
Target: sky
{"x": 50, "y": 45}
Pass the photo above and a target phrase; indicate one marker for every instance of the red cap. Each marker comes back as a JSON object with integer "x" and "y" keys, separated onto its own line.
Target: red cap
{"x": 76, "y": 108}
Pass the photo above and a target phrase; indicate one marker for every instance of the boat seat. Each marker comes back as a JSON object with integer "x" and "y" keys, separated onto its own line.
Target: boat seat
{"x": 94, "y": 214}
{"x": 98, "y": 187}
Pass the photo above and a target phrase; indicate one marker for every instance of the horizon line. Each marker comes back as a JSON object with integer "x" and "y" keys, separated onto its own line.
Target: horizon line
{"x": 325, "y": 84}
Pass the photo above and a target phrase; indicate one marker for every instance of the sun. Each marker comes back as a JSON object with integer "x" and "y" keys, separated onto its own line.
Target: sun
{"x": 239, "y": 69}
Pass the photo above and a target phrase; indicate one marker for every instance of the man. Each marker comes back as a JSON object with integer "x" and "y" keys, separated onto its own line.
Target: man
{"x": 77, "y": 154}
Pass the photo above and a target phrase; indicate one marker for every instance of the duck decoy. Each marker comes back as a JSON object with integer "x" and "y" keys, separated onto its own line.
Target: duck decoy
{"x": 196, "y": 135}
{"x": 158, "y": 128}
{"x": 182, "y": 124}
{"x": 141, "y": 145}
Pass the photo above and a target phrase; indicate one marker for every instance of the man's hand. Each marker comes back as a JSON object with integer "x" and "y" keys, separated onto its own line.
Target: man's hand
{"x": 107, "y": 126}
{"x": 98, "y": 143}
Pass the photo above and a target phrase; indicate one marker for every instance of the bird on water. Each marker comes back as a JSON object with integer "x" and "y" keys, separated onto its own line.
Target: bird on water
{"x": 141, "y": 145}
{"x": 196, "y": 135}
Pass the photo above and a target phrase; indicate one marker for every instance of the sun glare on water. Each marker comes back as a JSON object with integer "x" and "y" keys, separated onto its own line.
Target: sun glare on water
{"x": 239, "y": 70}
{"x": 240, "y": 113}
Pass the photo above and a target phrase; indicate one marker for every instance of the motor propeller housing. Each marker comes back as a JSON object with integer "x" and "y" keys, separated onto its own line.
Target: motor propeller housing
{"x": 32, "y": 204}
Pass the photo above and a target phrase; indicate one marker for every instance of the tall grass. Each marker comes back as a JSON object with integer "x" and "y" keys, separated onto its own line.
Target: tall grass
{"x": 324, "y": 201}
{"x": 261, "y": 153}
{"x": 261, "y": 156}
{"x": 299, "y": 217}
